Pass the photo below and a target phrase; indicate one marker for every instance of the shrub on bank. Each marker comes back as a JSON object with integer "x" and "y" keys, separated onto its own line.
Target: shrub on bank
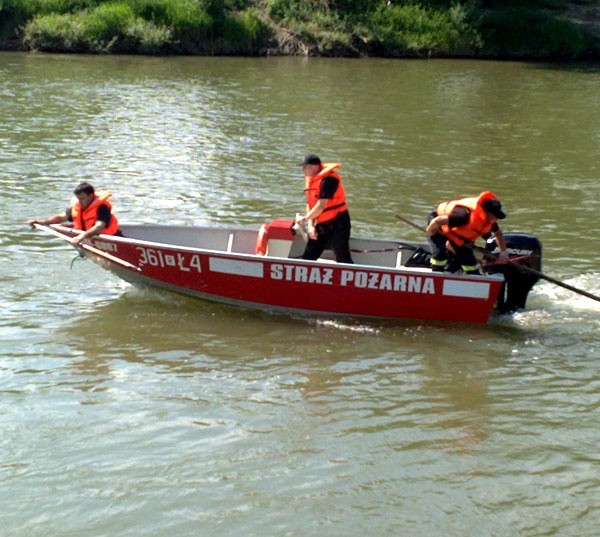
{"x": 188, "y": 19}
{"x": 55, "y": 32}
{"x": 525, "y": 33}
{"x": 106, "y": 21}
{"x": 105, "y": 28}
{"x": 244, "y": 31}
{"x": 413, "y": 29}
{"x": 145, "y": 37}
{"x": 389, "y": 29}
{"x": 489, "y": 28}
{"x": 324, "y": 32}
{"x": 145, "y": 26}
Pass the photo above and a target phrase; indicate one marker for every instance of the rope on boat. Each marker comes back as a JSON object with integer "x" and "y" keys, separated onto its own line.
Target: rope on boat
{"x": 80, "y": 256}
{"x": 401, "y": 246}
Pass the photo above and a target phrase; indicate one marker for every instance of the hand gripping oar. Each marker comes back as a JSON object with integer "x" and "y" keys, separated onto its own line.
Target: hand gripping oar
{"x": 518, "y": 266}
{"x": 89, "y": 248}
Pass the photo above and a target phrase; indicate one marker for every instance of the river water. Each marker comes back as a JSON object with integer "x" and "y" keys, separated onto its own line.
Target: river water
{"x": 127, "y": 411}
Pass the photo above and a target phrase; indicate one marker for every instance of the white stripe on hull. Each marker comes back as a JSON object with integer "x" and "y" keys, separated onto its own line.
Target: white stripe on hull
{"x": 237, "y": 267}
{"x": 466, "y": 289}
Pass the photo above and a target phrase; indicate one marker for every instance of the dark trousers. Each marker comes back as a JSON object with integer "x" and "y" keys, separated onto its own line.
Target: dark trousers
{"x": 334, "y": 234}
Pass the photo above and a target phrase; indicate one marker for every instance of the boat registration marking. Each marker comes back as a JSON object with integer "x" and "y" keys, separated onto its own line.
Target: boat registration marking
{"x": 235, "y": 266}
{"x": 466, "y": 289}
{"x": 106, "y": 246}
{"x": 157, "y": 258}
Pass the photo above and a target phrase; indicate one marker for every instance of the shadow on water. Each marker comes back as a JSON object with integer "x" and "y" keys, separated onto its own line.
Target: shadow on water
{"x": 573, "y": 67}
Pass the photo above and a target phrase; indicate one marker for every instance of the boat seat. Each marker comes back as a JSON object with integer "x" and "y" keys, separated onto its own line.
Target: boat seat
{"x": 275, "y": 239}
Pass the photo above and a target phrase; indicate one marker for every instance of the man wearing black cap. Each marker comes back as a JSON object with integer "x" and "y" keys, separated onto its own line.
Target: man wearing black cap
{"x": 327, "y": 217}
{"x": 455, "y": 225}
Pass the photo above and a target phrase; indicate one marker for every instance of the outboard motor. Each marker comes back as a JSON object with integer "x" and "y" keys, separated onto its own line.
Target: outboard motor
{"x": 523, "y": 250}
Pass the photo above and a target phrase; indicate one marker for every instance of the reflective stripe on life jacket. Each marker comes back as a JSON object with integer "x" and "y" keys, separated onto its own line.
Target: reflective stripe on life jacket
{"x": 478, "y": 224}
{"x": 85, "y": 219}
{"x": 312, "y": 188}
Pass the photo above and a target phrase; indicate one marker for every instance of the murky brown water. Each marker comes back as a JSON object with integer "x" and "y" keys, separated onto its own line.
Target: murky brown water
{"x": 130, "y": 412}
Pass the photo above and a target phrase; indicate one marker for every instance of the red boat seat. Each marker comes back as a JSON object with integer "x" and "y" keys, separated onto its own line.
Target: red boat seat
{"x": 275, "y": 238}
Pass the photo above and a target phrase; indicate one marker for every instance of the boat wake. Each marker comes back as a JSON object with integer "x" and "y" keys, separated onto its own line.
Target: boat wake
{"x": 556, "y": 296}
{"x": 338, "y": 324}
{"x": 552, "y": 306}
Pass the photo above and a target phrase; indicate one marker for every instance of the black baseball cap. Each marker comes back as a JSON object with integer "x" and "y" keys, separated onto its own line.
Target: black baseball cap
{"x": 493, "y": 206}
{"x": 311, "y": 159}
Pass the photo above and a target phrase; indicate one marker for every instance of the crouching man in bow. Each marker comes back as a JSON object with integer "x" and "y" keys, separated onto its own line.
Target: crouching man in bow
{"x": 455, "y": 226}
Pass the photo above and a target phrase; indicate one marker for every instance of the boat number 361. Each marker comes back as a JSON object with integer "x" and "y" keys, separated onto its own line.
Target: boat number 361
{"x": 156, "y": 258}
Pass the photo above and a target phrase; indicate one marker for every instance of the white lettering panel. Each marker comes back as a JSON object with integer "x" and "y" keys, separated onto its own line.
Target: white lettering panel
{"x": 466, "y": 289}
{"x": 236, "y": 267}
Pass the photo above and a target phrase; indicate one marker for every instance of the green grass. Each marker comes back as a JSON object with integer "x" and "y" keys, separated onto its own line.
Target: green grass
{"x": 420, "y": 28}
{"x": 414, "y": 29}
{"x": 105, "y": 28}
{"x": 143, "y": 26}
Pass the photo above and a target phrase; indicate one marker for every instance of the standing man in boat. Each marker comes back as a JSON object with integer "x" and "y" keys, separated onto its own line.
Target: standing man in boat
{"x": 90, "y": 212}
{"x": 455, "y": 225}
{"x": 327, "y": 216}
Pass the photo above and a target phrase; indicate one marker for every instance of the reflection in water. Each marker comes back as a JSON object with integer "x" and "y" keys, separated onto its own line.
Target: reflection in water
{"x": 461, "y": 402}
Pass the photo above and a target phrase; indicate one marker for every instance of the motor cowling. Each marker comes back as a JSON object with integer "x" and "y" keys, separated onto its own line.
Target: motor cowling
{"x": 523, "y": 250}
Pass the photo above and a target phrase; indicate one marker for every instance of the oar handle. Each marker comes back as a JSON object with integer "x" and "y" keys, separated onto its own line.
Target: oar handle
{"x": 518, "y": 266}
{"x": 410, "y": 223}
{"x": 89, "y": 248}
{"x": 543, "y": 276}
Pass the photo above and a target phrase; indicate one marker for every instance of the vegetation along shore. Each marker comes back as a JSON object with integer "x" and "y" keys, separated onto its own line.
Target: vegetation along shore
{"x": 502, "y": 29}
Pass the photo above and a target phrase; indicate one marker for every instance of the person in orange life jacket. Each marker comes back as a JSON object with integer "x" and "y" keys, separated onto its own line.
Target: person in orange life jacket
{"x": 327, "y": 216}
{"x": 456, "y": 225}
{"x": 90, "y": 213}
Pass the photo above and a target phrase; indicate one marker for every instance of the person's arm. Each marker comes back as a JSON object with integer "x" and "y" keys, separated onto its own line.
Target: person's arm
{"x": 329, "y": 186}
{"x": 318, "y": 208}
{"x": 458, "y": 217}
{"x": 501, "y": 241}
{"x": 104, "y": 216}
{"x": 96, "y": 229}
{"x": 310, "y": 216}
{"x": 58, "y": 218}
{"x": 436, "y": 224}
{"x": 328, "y": 189}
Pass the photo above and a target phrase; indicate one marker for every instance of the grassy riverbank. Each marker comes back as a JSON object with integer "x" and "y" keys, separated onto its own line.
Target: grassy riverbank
{"x": 534, "y": 29}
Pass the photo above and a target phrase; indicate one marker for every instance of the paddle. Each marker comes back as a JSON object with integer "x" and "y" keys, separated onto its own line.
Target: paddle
{"x": 88, "y": 248}
{"x": 518, "y": 266}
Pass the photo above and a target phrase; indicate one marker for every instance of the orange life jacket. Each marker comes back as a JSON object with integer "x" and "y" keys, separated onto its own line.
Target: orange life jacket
{"x": 85, "y": 219}
{"x": 478, "y": 224}
{"x": 312, "y": 188}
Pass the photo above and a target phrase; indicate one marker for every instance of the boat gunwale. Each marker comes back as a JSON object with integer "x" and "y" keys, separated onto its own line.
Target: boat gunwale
{"x": 256, "y": 257}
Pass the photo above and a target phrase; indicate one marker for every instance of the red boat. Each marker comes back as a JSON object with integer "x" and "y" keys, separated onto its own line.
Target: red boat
{"x": 262, "y": 269}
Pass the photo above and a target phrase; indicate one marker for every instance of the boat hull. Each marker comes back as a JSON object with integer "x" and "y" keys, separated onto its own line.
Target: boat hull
{"x": 300, "y": 286}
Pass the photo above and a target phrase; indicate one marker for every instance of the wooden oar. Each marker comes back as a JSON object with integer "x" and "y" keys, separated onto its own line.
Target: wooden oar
{"x": 88, "y": 248}
{"x": 518, "y": 266}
